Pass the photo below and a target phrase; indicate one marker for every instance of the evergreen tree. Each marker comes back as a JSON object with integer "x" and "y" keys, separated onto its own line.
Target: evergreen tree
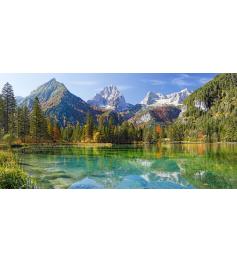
{"x": 38, "y": 123}
{"x": 101, "y": 136}
{"x": 89, "y": 128}
{"x": 67, "y": 133}
{"x": 23, "y": 123}
{"x": 1, "y": 114}
{"x": 110, "y": 129}
{"x": 9, "y": 109}
{"x": 76, "y": 136}
{"x": 50, "y": 128}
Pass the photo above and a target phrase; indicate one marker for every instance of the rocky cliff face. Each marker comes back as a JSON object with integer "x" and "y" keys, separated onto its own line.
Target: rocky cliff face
{"x": 109, "y": 98}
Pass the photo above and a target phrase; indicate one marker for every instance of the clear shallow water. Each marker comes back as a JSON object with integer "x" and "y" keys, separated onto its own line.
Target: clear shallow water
{"x": 167, "y": 166}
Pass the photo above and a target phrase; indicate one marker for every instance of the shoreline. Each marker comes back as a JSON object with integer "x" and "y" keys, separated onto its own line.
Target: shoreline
{"x": 82, "y": 144}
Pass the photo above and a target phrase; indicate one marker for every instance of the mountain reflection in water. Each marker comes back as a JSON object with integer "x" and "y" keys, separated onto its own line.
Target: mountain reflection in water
{"x": 127, "y": 166}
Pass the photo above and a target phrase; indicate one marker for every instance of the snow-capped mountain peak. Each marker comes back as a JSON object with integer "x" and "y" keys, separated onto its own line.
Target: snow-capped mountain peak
{"x": 110, "y": 98}
{"x": 151, "y": 98}
{"x": 157, "y": 99}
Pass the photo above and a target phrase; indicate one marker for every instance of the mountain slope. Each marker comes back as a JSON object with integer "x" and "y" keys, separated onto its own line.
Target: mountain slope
{"x": 210, "y": 113}
{"x": 109, "y": 98}
{"x": 162, "y": 115}
{"x": 157, "y": 99}
{"x": 19, "y": 99}
{"x": 57, "y": 101}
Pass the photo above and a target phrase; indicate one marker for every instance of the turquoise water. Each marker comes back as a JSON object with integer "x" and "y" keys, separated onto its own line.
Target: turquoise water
{"x": 168, "y": 166}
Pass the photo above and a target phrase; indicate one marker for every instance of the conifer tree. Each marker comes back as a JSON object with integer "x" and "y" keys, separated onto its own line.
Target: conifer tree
{"x": 1, "y": 113}
{"x": 111, "y": 129}
{"x": 23, "y": 122}
{"x": 9, "y": 109}
{"x": 89, "y": 128}
{"x": 49, "y": 128}
{"x": 38, "y": 123}
{"x": 76, "y": 136}
{"x": 101, "y": 130}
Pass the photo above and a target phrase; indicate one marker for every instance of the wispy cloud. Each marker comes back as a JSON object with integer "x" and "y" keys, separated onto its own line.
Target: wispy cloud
{"x": 183, "y": 80}
{"x": 154, "y": 82}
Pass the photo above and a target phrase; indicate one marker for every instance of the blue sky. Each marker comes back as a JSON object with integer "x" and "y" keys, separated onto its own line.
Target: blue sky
{"x": 133, "y": 86}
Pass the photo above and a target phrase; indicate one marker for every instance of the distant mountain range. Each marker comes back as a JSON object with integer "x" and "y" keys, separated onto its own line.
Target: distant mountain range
{"x": 57, "y": 102}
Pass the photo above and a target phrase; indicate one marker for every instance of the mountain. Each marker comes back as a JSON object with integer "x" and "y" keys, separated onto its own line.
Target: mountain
{"x": 210, "y": 113}
{"x": 19, "y": 99}
{"x": 157, "y": 99}
{"x": 150, "y": 115}
{"x": 109, "y": 98}
{"x": 151, "y": 98}
{"x": 57, "y": 101}
{"x": 159, "y": 108}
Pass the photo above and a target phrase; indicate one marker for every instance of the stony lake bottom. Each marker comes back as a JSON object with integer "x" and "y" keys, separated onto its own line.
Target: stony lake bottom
{"x": 177, "y": 166}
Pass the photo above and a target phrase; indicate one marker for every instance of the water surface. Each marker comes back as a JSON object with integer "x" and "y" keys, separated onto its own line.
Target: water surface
{"x": 166, "y": 166}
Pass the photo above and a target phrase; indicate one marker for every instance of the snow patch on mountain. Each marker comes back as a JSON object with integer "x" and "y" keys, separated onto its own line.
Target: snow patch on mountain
{"x": 157, "y": 99}
{"x": 109, "y": 98}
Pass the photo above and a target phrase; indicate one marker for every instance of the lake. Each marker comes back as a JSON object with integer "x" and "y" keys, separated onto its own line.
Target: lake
{"x": 127, "y": 166}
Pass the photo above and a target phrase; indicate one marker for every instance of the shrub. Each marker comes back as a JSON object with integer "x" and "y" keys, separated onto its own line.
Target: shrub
{"x": 15, "y": 178}
{"x": 8, "y": 139}
{"x": 11, "y": 175}
{"x": 7, "y": 159}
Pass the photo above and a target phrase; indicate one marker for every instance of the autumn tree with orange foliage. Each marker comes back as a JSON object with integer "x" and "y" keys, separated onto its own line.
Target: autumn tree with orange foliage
{"x": 159, "y": 131}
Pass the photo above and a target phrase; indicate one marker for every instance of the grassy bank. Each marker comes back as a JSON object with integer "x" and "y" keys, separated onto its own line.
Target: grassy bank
{"x": 11, "y": 174}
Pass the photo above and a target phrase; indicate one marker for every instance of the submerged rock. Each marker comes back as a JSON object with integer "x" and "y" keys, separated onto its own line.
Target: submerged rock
{"x": 133, "y": 181}
{"x": 86, "y": 183}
